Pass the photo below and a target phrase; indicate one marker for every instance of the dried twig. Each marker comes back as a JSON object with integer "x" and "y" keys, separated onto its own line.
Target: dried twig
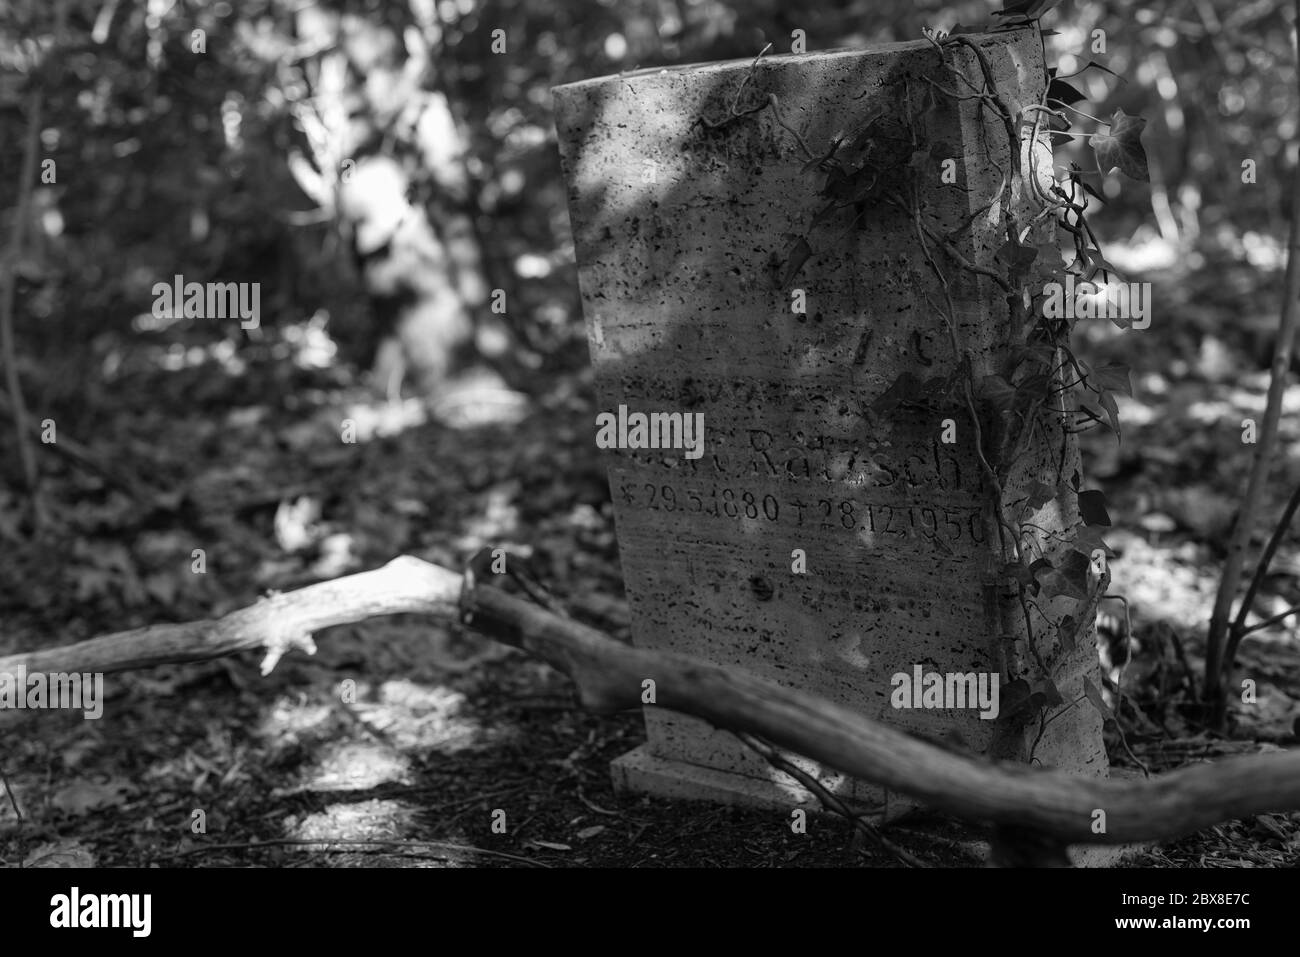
{"x": 1219, "y": 648}
{"x": 17, "y": 240}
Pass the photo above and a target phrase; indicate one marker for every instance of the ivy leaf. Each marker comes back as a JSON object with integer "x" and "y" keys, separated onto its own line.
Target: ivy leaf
{"x": 936, "y": 388}
{"x": 1070, "y": 578}
{"x": 794, "y": 260}
{"x": 860, "y": 139}
{"x": 929, "y": 103}
{"x": 1092, "y": 507}
{"x": 1066, "y": 632}
{"x": 835, "y": 178}
{"x": 997, "y": 392}
{"x": 851, "y": 187}
{"x": 1050, "y": 254}
{"x": 1033, "y": 387}
{"x": 861, "y": 187}
{"x": 905, "y": 388}
{"x": 825, "y": 214}
{"x": 1051, "y": 694}
{"x": 817, "y": 161}
{"x": 1063, "y": 92}
{"x": 1087, "y": 539}
{"x": 1116, "y": 376}
{"x": 1040, "y": 493}
{"x": 1039, "y": 353}
{"x": 1099, "y": 264}
{"x": 1098, "y": 702}
{"x": 1122, "y": 147}
{"x": 1107, "y": 401}
{"x": 1013, "y": 698}
{"x": 1015, "y": 255}
{"x": 1021, "y": 573}
{"x": 1119, "y": 320}
{"x": 864, "y": 343}
{"x": 1094, "y": 65}
{"x": 1028, "y": 9}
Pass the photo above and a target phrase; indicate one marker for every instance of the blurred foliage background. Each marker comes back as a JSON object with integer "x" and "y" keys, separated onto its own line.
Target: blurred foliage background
{"x": 217, "y": 164}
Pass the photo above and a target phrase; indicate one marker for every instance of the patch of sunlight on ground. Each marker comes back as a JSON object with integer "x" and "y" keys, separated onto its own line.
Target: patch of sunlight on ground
{"x": 1161, "y": 583}
{"x": 291, "y": 720}
{"x": 374, "y": 833}
{"x": 421, "y": 719}
{"x": 356, "y": 766}
{"x": 379, "y": 820}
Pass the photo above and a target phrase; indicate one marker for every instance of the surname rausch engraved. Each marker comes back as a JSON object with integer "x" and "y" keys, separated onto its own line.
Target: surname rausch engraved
{"x": 825, "y": 437}
{"x": 821, "y": 458}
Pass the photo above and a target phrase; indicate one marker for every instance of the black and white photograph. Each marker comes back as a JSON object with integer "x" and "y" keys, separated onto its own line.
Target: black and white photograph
{"x": 665, "y": 436}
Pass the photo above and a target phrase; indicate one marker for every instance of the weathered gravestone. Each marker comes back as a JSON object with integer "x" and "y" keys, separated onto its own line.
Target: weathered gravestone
{"x": 836, "y": 529}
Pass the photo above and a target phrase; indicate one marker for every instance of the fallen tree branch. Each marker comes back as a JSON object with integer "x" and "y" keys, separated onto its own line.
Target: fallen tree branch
{"x": 610, "y": 677}
{"x": 276, "y": 623}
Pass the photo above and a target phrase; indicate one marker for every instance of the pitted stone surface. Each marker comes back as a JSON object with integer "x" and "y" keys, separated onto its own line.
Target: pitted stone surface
{"x": 682, "y": 234}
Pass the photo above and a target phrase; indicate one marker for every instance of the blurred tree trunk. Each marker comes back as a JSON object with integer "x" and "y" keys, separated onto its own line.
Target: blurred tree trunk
{"x": 389, "y": 161}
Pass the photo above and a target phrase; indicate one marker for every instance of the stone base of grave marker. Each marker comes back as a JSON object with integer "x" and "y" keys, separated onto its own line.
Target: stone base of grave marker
{"x": 642, "y": 770}
{"x": 832, "y": 533}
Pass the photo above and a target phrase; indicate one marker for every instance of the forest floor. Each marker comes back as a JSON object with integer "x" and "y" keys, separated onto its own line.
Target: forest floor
{"x": 445, "y": 730}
